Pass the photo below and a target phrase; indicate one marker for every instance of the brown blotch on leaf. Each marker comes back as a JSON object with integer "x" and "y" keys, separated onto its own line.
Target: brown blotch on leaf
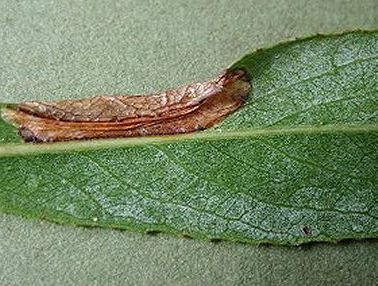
{"x": 194, "y": 107}
{"x": 153, "y": 232}
{"x": 215, "y": 240}
{"x": 307, "y": 231}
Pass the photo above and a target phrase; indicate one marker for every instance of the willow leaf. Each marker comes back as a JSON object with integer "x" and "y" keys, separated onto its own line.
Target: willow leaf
{"x": 298, "y": 163}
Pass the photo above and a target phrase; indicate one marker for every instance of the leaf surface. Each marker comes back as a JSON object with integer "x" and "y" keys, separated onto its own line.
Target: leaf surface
{"x": 297, "y": 163}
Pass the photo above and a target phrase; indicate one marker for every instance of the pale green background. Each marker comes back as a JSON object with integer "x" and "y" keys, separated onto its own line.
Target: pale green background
{"x": 71, "y": 49}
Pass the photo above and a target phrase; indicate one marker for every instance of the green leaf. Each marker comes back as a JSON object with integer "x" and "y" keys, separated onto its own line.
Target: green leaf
{"x": 298, "y": 163}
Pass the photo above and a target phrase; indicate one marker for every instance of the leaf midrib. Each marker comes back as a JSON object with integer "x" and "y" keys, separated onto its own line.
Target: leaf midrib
{"x": 18, "y": 149}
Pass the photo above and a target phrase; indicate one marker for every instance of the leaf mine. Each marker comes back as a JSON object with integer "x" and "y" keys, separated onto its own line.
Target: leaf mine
{"x": 187, "y": 109}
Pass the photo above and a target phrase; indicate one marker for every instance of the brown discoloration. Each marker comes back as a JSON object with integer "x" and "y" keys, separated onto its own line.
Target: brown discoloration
{"x": 194, "y": 107}
{"x": 307, "y": 231}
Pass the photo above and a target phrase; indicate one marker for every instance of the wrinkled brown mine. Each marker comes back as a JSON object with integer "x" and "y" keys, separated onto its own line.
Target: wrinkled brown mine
{"x": 190, "y": 108}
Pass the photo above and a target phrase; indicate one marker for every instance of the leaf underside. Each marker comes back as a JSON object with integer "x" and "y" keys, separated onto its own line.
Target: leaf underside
{"x": 298, "y": 163}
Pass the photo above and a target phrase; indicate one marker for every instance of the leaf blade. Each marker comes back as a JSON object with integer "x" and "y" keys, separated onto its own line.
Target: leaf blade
{"x": 288, "y": 188}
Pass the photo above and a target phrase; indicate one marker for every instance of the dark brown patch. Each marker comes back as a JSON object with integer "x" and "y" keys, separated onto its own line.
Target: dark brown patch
{"x": 307, "y": 231}
{"x": 215, "y": 240}
{"x": 153, "y": 232}
{"x": 28, "y": 135}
